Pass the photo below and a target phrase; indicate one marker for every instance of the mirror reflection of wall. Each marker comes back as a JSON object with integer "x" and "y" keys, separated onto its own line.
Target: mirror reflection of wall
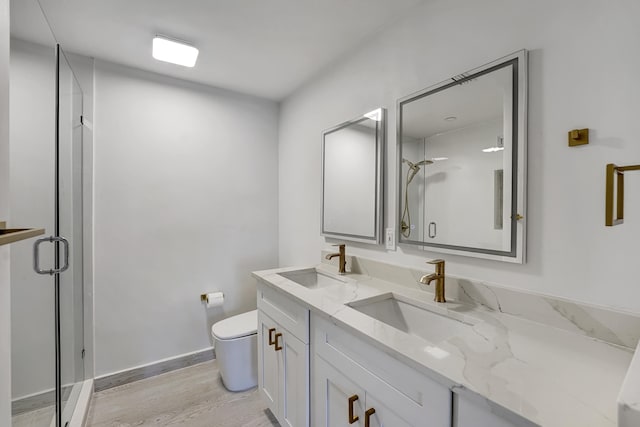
{"x": 467, "y": 172}
{"x": 351, "y": 179}
{"x": 458, "y": 160}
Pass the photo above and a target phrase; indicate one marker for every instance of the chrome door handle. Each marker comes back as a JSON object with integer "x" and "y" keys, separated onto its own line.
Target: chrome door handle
{"x": 36, "y": 255}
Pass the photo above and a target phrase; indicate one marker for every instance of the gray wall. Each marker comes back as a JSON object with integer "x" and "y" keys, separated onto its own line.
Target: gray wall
{"x": 5, "y": 297}
{"x": 185, "y": 202}
{"x": 577, "y": 79}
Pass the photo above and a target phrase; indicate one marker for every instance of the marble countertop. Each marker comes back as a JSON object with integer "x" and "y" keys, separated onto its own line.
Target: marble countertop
{"x": 548, "y": 375}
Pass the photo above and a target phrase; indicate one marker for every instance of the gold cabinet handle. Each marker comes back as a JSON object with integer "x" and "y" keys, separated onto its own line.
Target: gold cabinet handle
{"x": 271, "y": 331}
{"x": 367, "y": 416}
{"x": 277, "y": 346}
{"x": 352, "y": 419}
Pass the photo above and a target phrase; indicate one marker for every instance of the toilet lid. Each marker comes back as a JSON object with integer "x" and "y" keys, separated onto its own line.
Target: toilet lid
{"x": 236, "y": 326}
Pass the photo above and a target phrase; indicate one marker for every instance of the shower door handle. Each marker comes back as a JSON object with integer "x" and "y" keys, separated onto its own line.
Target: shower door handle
{"x": 432, "y": 230}
{"x": 36, "y": 255}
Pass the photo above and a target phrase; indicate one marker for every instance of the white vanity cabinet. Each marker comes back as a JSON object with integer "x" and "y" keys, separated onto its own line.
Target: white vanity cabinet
{"x": 283, "y": 357}
{"x": 353, "y": 379}
{"x": 312, "y": 372}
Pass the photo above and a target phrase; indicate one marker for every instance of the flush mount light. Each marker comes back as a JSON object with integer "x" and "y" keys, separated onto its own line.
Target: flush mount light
{"x": 450, "y": 119}
{"x": 174, "y": 51}
{"x": 439, "y": 159}
{"x": 498, "y": 147}
{"x": 492, "y": 149}
{"x": 374, "y": 115}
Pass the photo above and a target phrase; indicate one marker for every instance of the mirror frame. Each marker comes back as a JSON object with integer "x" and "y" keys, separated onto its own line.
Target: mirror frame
{"x": 517, "y": 253}
{"x": 379, "y": 191}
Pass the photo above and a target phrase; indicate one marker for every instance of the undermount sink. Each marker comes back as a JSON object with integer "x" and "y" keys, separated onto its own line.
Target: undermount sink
{"x": 410, "y": 316}
{"x": 311, "y": 278}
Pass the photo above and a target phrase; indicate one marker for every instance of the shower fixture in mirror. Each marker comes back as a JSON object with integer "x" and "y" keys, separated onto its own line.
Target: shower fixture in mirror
{"x": 352, "y": 174}
{"x": 462, "y": 163}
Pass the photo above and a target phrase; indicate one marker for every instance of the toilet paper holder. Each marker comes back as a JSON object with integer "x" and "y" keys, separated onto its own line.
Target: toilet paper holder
{"x": 204, "y": 297}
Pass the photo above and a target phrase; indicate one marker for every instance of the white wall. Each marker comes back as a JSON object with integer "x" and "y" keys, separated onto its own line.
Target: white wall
{"x": 5, "y": 296}
{"x": 185, "y": 202}
{"x": 579, "y": 77}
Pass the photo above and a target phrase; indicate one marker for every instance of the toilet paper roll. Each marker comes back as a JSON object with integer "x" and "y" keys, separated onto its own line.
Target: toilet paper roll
{"x": 214, "y": 299}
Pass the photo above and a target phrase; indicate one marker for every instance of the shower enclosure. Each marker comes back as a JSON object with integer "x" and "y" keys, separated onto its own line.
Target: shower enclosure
{"x": 46, "y": 159}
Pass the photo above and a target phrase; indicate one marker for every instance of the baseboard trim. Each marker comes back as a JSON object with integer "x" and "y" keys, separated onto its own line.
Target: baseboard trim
{"x": 151, "y": 370}
{"x": 40, "y": 400}
{"x": 33, "y": 402}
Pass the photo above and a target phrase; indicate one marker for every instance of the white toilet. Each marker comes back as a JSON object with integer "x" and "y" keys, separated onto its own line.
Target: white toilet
{"x": 236, "y": 344}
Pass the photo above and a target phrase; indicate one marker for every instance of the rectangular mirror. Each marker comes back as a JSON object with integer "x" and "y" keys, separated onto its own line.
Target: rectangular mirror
{"x": 462, "y": 160}
{"x": 352, "y": 162}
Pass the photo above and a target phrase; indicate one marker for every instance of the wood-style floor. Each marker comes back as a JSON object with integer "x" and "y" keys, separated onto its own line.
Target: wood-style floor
{"x": 190, "y": 397}
{"x": 38, "y": 418}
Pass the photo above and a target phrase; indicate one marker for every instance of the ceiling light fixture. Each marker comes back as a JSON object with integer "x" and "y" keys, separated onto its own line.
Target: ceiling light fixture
{"x": 499, "y": 147}
{"x": 450, "y": 119}
{"x": 492, "y": 149}
{"x": 174, "y": 51}
{"x": 374, "y": 115}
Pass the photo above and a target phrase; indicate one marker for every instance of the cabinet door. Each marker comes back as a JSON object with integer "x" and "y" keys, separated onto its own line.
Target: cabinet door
{"x": 415, "y": 399}
{"x": 386, "y": 415}
{"x": 267, "y": 364}
{"x": 331, "y": 393}
{"x": 293, "y": 359}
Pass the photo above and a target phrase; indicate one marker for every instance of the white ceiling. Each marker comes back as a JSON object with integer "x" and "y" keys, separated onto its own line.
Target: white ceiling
{"x": 262, "y": 47}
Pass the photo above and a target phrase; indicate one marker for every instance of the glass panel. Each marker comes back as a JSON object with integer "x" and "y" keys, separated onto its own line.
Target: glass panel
{"x": 32, "y": 158}
{"x": 46, "y": 191}
{"x": 70, "y": 227}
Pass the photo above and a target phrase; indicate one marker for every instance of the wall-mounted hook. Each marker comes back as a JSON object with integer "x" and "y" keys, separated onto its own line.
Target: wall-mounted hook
{"x": 578, "y": 137}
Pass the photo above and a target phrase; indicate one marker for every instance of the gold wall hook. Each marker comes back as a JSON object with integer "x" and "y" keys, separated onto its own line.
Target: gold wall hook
{"x": 578, "y": 137}
{"x": 615, "y": 175}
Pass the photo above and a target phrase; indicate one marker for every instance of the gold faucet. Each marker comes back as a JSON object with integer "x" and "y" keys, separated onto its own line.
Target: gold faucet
{"x": 438, "y": 276}
{"x": 342, "y": 265}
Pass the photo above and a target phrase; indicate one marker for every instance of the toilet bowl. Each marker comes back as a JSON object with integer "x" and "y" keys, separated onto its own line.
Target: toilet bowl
{"x": 235, "y": 340}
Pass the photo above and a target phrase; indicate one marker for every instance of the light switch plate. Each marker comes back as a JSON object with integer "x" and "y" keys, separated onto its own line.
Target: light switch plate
{"x": 390, "y": 239}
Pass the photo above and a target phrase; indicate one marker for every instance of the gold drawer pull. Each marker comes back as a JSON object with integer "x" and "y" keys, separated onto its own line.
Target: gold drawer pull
{"x": 271, "y": 331}
{"x": 278, "y": 347}
{"x": 352, "y": 419}
{"x": 367, "y": 416}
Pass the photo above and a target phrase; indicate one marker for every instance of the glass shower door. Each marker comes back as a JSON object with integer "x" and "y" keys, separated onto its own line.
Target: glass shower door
{"x": 46, "y": 156}
{"x": 70, "y": 226}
